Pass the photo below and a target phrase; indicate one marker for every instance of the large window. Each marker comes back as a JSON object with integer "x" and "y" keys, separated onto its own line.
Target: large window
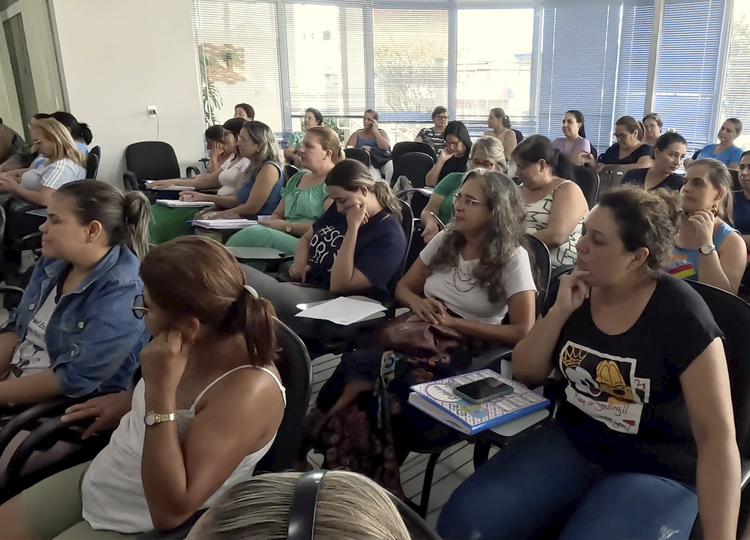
{"x": 736, "y": 102}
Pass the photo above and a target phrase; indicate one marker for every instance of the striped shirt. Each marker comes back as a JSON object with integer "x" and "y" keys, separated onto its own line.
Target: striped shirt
{"x": 53, "y": 174}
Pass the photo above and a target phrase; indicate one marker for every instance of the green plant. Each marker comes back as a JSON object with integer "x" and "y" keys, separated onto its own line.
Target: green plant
{"x": 333, "y": 123}
{"x": 210, "y": 95}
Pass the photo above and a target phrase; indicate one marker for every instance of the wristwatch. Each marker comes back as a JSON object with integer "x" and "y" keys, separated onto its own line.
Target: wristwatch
{"x": 288, "y": 228}
{"x": 707, "y": 249}
{"x": 152, "y": 418}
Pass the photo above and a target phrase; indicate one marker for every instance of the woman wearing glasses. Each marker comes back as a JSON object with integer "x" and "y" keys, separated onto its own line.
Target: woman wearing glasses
{"x": 434, "y": 135}
{"x": 455, "y": 156}
{"x": 73, "y": 333}
{"x": 628, "y": 151}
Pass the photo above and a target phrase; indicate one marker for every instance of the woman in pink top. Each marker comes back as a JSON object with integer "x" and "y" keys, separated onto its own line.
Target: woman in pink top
{"x": 574, "y": 144}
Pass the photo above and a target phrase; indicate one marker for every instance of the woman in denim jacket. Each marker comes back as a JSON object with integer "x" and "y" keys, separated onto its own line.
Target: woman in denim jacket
{"x": 74, "y": 333}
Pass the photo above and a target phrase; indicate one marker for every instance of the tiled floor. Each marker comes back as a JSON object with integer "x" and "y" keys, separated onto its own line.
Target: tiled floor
{"x": 454, "y": 466}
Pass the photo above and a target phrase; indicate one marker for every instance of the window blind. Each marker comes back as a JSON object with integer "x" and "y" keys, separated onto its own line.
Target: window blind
{"x": 635, "y": 48}
{"x": 686, "y": 78}
{"x": 236, "y": 53}
{"x": 736, "y": 99}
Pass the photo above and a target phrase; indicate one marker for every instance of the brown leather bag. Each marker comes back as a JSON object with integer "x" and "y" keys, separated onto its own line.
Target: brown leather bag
{"x": 418, "y": 338}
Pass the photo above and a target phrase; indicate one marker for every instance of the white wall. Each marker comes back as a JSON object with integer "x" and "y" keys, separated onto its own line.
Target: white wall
{"x": 120, "y": 56}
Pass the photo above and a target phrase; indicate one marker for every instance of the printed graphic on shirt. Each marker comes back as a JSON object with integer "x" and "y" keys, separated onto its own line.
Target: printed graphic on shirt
{"x": 604, "y": 386}
{"x": 31, "y": 355}
{"x": 679, "y": 266}
{"x": 324, "y": 246}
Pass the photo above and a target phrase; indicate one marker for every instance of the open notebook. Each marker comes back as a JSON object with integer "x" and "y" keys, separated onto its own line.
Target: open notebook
{"x": 183, "y": 204}
{"x": 224, "y": 224}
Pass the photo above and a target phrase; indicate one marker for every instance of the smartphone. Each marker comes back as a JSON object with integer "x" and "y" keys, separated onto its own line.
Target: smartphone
{"x": 483, "y": 390}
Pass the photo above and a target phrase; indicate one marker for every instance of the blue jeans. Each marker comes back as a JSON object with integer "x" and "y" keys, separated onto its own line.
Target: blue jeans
{"x": 542, "y": 487}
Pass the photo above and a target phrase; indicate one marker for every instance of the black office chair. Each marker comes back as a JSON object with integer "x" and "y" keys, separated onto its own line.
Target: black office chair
{"x": 541, "y": 264}
{"x": 357, "y": 153}
{"x": 519, "y": 135}
{"x": 593, "y": 153}
{"x": 151, "y": 160}
{"x": 289, "y": 171}
{"x": 735, "y": 179}
{"x": 610, "y": 177}
{"x": 97, "y": 151}
{"x": 406, "y": 147}
{"x": 588, "y": 181}
{"x": 92, "y": 166}
{"x": 415, "y": 166}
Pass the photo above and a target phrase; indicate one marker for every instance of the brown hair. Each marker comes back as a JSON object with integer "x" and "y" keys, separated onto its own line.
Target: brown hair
{"x": 720, "y": 178}
{"x": 329, "y": 140}
{"x": 374, "y": 114}
{"x": 195, "y": 275}
{"x": 645, "y": 219}
{"x": 631, "y": 125}
{"x": 352, "y": 175}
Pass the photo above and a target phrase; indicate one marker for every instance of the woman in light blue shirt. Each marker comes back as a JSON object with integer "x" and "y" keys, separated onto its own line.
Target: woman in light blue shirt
{"x": 725, "y": 151}
{"x": 80, "y": 131}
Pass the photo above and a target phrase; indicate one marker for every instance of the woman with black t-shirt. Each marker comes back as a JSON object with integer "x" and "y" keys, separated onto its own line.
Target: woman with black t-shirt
{"x": 669, "y": 152}
{"x": 628, "y": 151}
{"x": 455, "y": 156}
{"x": 647, "y": 415}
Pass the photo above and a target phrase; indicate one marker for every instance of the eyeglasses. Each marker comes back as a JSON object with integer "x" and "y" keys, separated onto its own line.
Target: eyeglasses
{"x": 619, "y": 136}
{"x": 442, "y": 117}
{"x": 138, "y": 307}
{"x": 464, "y": 201}
{"x": 482, "y": 164}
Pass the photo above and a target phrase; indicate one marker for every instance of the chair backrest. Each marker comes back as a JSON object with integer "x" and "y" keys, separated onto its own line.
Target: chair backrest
{"x": 97, "y": 151}
{"x": 519, "y": 135}
{"x": 92, "y": 166}
{"x": 289, "y": 171}
{"x": 358, "y": 154}
{"x": 152, "y": 160}
{"x": 407, "y": 223}
{"x": 594, "y": 153}
{"x": 405, "y": 147}
{"x": 588, "y": 181}
{"x": 415, "y": 166}
{"x": 295, "y": 368}
{"x": 736, "y": 186}
{"x": 541, "y": 266}
{"x": 732, "y": 314}
{"x": 609, "y": 177}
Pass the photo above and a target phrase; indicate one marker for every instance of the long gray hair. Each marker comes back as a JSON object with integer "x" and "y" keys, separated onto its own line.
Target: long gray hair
{"x": 504, "y": 232}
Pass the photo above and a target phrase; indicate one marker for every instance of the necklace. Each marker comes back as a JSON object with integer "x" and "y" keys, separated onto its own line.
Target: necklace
{"x": 459, "y": 276}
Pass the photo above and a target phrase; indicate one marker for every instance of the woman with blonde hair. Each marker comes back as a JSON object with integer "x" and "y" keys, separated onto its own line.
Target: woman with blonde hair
{"x": 64, "y": 163}
{"x": 349, "y": 506}
{"x": 303, "y": 199}
{"x": 260, "y": 192}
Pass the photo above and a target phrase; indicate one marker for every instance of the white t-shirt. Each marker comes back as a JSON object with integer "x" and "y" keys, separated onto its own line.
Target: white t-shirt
{"x": 459, "y": 291}
{"x": 31, "y": 356}
{"x": 232, "y": 171}
{"x": 53, "y": 175}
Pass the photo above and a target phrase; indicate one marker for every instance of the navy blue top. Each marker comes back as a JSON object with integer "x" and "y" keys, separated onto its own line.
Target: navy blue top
{"x": 612, "y": 155}
{"x": 741, "y": 212}
{"x": 638, "y": 177}
{"x": 379, "y": 253}
{"x": 243, "y": 192}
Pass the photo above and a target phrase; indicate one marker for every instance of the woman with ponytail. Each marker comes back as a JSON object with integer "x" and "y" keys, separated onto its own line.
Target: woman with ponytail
{"x": 574, "y": 143}
{"x": 303, "y": 199}
{"x": 195, "y": 426}
{"x": 71, "y": 334}
{"x": 499, "y": 125}
{"x": 80, "y": 131}
{"x": 555, "y": 205}
{"x": 359, "y": 242}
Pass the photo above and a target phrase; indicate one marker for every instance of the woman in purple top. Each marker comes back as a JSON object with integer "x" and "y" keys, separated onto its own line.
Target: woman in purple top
{"x": 574, "y": 144}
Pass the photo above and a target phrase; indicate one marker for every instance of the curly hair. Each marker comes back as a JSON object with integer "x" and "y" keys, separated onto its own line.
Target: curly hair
{"x": 505, "y": 232}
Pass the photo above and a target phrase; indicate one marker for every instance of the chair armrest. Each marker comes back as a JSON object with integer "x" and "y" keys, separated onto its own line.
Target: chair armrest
{"x": 30, "y": 241}
{"x": 178, "y": 533}
{"x": 192, "y": 172}
{"x": 205, "y": 161}
{"x": 256, "y": 254}
{"x": 29, "y": 416}
{"x": 130, "y": 181}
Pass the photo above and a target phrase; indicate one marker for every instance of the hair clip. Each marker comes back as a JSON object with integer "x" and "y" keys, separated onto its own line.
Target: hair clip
{"x": 252, "y": 292}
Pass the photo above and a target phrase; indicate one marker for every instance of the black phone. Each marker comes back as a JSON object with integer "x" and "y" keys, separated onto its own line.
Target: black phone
{"x": 483, "y": 390}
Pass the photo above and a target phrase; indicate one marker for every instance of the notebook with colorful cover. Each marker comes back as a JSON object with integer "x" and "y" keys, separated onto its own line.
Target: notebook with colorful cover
{"x": 437, "y": 399}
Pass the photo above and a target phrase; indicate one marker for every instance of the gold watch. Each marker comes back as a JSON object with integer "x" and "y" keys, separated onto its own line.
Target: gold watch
{"x": 152, "y": 418}
{"x": 288, "y": 228}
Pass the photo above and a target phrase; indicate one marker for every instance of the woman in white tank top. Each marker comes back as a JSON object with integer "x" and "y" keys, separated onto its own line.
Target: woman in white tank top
{"x": 205, "y": 412}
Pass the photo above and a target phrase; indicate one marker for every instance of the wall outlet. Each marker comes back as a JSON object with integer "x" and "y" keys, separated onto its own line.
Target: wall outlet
{"x": 151, "y": 110}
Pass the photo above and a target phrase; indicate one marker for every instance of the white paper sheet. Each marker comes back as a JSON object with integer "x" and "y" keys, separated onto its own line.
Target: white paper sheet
{"x": 342, "y": 310}
{"x": 170, "y": 188}
{"x": 225, "y": 224}
{"x": 183, "y": 204}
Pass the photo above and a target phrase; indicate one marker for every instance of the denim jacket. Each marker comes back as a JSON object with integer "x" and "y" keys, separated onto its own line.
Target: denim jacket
{"x": 92, "y": 337}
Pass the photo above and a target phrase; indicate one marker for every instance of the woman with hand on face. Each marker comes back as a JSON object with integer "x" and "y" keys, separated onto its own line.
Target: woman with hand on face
{"x": 726, "y": 151}
{"x": 371, "y": 136}
{"x": 628, "y": 151}
{"x": 669, "y": 152}
{"x": 303, "y": 199}
{"x": 499, "y": 124}
{"x": 359, "y": 242}
{"x": 486, "y": 153}
{"x": 574, "y": 144}
{"x": 455, "y": 156}
{"x": 312, "y": 119}
{"x": 708, "y": 249}
{"x": 646, "y": 420}
{"x": 209, "y": 369}
{"x": 652, "y": 124}
{"x": 259, "y": 193}
{"x": 434, "y": 135}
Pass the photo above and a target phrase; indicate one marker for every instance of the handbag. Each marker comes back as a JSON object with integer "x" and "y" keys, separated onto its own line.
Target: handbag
{"x": 378, "y": 157}
{"x": 419, "y": 338}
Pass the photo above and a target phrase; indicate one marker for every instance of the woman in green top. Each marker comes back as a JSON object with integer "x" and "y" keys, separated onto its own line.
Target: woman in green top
{"x": 303, "y": 199}
{"x": 291, "y": 152}
{"x": 486, "y": 153}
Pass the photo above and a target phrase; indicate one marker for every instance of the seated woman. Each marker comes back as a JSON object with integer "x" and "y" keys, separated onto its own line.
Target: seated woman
{"x": 574, "y": 144}
{"x": 555, "y": 205}
{"x": 726, "y": 151}
{"x": 636, "y": 348}
{"x": 628, "y": 151}
{"x": 741, "y": 200}
{"x": 652, "y": 124}
{"x": 209, "y": 369}
{"x": 454, "y": 157}
{"x": 303, "y": 199}
{"x": 359, "y": 242}
{"x": 669, "y": 152}
{"x": 292, "y": 151}
{"x": 434, "y": 135}
{"x": 226, "y": 168}
{"x": 260, "y": 191}
{"x": 244, "y": 111}
{"x": 64, "y": 163}
{"x": 71, "y": 334}
{"x": 349, "y": 506}
{"x": 9, "y": 142}
{"x": 14, "y": 168}
{"x": 80, "y": 132}
{"x": 465, "y": 281}
{"x": 376, "y": 142}
{"x": 708, "y": 249}
{"x": 487, "y": 153}
{"x": 499, "y": 125}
